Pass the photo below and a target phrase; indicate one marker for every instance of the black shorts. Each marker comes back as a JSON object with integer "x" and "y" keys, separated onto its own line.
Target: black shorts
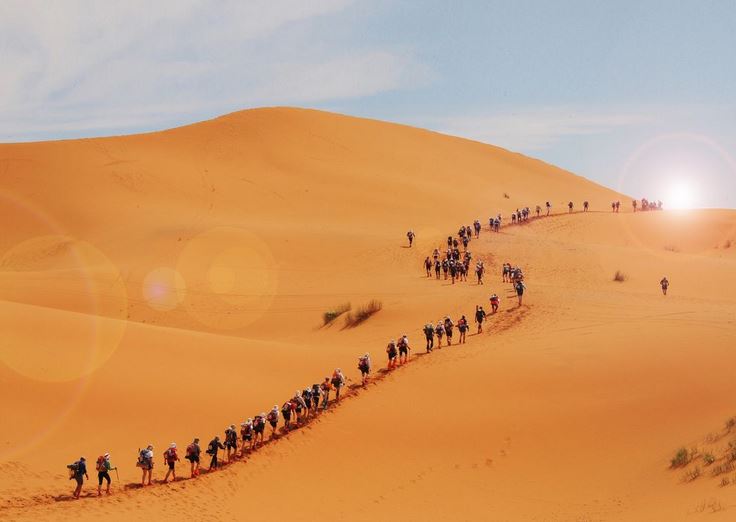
{"x": 273, "y": 423}
{"x": 449, "y": 334}
{"x": 232, "y": 445}
{"x": 315, "y": 402}
{"x": 79, "y": 479}
{"x": 364, "y": 372}
{"x": 403, "y": 351}
{"x": 103, "y": 475}
{"x": 193, "y": 458}
{"x": 259, "y": 429}
{"x": 171, "y": 464}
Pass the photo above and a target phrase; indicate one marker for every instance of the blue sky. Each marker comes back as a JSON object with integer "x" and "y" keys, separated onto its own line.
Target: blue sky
{"x": 640, "y": 96}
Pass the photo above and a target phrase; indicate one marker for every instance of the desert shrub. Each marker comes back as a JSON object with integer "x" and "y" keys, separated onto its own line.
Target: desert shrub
{"x": 353, "y": 319}
{"x": 691, "y": 474}
{"x": 681, "y": 458}
{"x": 619, "y": 276}
{"x": 329, "y": 316}
{"x": 725, "y": 481}
{"x": 731, "y": 424}
{"x": 505, "y": 195}
{"x": 708, "y": 459}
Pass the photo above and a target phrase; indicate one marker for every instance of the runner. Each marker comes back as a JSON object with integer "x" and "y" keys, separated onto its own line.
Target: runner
{"x": 480, "y": 316}
{"x": 171, "y": 457}
{"x": 192, "y": 455}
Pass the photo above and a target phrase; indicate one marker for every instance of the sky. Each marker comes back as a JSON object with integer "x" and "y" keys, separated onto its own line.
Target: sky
{"x": 637, "y": 95}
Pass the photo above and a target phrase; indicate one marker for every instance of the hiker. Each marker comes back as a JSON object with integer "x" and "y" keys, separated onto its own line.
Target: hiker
{"x": 259, "y": 426}
{"x": 145, "y": 462}
{"x": 338, "y": 381}
{"x": 480, "y": 316}
{"x": 307, "y": 396}
{"x": 513, "y": 218}
{"x": 505, "y": 272}
{"x": 316, "y": 394}
{"x": 538, "y": 209}
{"x": 325, "y": 388}
{"x": 364, "y": 365}
{"x": 445, "y": 267}
{"x": 392, "y": 353}
{"x": 519, "y": 286}
{"x": 171, "y": 457}
{"x": 214, "y": 446}
{"x": 273, "y": 419}
{"x": 664, "y": 283}
{"x": 192, "y": 455}
{"x": 439, "y": 330}
{"x": 633, "y": 204}
{"x": 569, "y": 207}
{"x": 103, "y": 468}
{"x": 246, "y": 433}
{"x": 453, "y": 271}
{"x": 613, "y": 206}
{"x": 462, "y": 326}
{"x": 618, "y": 205}
{"x": 300, "y": 405}
{"x": 428, "y": 266}
{"x": 495, "y": 301}
{"x": 476, "y": 226}
{"x": 549, "y": 206}
{"x": 429, "y": 335}
{"x": 286, "y": 414}
{"x": 448, "y": 330}
{"x": 437, "y": 267}
{"x": 585, "y": 206}
{"x": 231, "y": 441}
{"x": 78, "y": 472}
{"x": 410, "y": 237}
{"x": 479, "y": 269}
{"x": 404, "y": 348}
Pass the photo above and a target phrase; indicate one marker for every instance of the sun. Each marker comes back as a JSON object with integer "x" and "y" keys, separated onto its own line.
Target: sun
{"x": 680, "y": 196}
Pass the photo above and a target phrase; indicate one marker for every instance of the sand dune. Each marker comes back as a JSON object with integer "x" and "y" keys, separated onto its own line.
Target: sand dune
{"x": 162, "y": 286}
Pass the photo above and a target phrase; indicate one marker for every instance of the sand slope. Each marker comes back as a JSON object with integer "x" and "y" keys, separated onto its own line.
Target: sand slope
{"x": 160, "y": 286}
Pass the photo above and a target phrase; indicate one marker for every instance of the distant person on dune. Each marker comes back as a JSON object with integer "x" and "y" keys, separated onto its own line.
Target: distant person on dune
{"x": 259, "y": 426}
{"x": 479, "y": 270}
{"x": 495, "y": 301}
{"x": 338, "y": 381}
{"x": 445, "y": 267}
{"x": 428, "y": 266}
{"x": 103, "y": 468}
{"x": 618, "y": 205}
{"x": 301, "y": 406}
{"x": 246, "y": 433}
{"x": 145, "y": 462}
{"x": 613, "y": 206}
{"x": 448, "y": 330}
{"x": 505, "y": 271}
{"x": 307, "y": 396}
{"x": 231, "y": 441}
{"x": 410, "y": 236}
{"x": 569, "y": 207}
{"x": 404, "y": 348}
{"x": 519, "y": 287}
{"x": 480, "y": 316}
{"x": 538, "y": 209}
{"x": 585, "y": 206}
{"x": 439, "y": 331}
{"x": 325, "y": 388}
{"x": 213, "y": 448}
{"x": 364, "y": 365}
{"x": 273, "y": 419}
{"x": 549, "y": 206}
{"x": 476, "y": 226}
{"x": 392, "y": 353}
{"x": 286, "y": 414}
{"x": 429, "y": 336}
{"x": 78, "y": 472}
{"x": 192, "y": 455}
{"x": 437, "y": 268}
{"x": 462, "y": 327}
{"x": 664, "y": 283}
{"x": 316, "y": 395}
{"x": 171, "y": 457}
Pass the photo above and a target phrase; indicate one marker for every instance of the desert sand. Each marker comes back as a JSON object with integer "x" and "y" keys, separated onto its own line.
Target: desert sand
{"x": 158, "y": 287}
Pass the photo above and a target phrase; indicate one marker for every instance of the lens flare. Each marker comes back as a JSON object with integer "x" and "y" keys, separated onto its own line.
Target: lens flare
{"x": 164, "y": 289}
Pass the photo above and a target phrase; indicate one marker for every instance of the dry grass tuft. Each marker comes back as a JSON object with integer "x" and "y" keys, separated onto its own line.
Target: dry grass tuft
{"x": 362, "y": 314}
{"x": 619, "y": 276}
{"x": 329, "y": 316}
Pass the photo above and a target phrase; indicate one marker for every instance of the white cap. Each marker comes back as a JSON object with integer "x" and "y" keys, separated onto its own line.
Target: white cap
{"x": 172, "y": 445}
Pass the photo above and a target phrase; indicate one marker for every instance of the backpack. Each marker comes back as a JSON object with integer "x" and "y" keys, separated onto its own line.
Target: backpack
{"x": 272, "y": 416}
{"x": 191, "y": 450}
{"x": 307, "y": 394}
{"x": 363, "y": 364}
{"x": 315, "y": 390}
{"x": 212, "y": 448}
{"x": 170, "y": 455}
{"x": 100, "y": 466}
{"x": 73, "y": 468}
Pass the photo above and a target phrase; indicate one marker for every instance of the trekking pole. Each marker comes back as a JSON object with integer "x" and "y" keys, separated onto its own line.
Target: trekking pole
{"x": 117, "y": 475}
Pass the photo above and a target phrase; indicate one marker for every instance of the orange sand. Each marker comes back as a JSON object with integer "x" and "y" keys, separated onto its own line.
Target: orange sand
{"x": 158, "y": 287}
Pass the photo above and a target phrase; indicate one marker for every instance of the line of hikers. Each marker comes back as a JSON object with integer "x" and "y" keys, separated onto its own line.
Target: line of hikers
{"x": 294, "y": 412}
